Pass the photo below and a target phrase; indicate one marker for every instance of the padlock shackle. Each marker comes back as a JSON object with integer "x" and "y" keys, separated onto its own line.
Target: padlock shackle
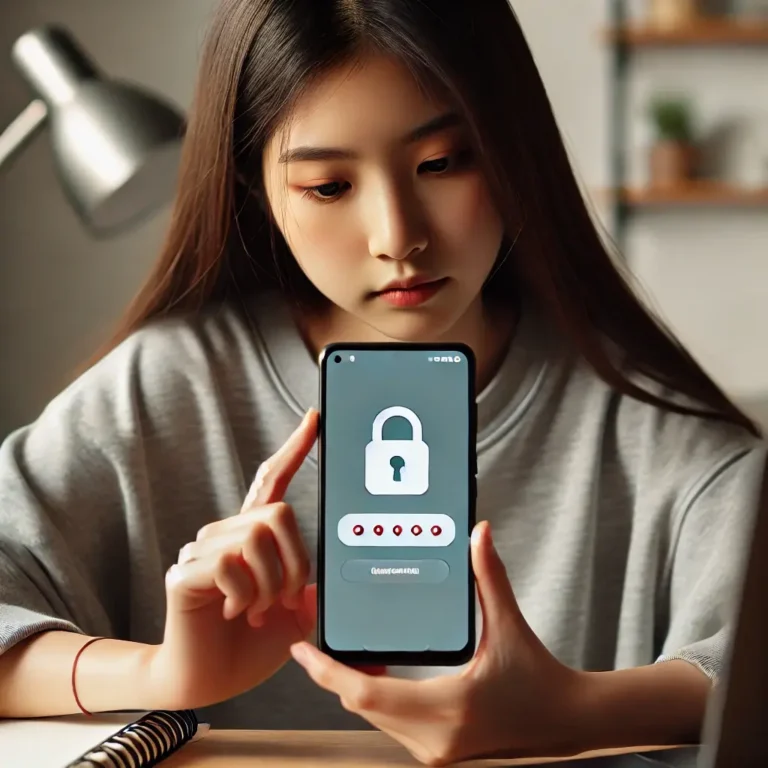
{"x": 396, "y": 410}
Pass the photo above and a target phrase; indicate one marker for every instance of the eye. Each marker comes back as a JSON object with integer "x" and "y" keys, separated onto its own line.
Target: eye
{"x": 452, "y": 162}
{"x": 326, "y": 193}
{"x": 439, "y": 165}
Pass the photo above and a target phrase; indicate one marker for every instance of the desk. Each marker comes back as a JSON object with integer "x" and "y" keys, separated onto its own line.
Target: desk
{"x": 300, "y": 749}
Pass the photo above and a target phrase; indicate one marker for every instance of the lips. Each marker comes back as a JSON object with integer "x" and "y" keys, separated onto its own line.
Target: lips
{"x": 408, "y": 283}
{"x": 412, "y": 292}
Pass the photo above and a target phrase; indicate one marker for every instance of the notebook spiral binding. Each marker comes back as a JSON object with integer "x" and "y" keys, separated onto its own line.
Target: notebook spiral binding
{"x": 143, "y": 744}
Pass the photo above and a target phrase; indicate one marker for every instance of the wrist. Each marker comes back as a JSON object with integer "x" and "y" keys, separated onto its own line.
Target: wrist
{"x": 555, "y": 721}
{"x": 574, "y": 712}
{"x": 659, "y": 704}
{"x": 115, "y": 674}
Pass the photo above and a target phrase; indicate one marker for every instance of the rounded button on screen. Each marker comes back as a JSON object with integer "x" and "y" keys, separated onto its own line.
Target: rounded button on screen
{"x": 395, "y": 571}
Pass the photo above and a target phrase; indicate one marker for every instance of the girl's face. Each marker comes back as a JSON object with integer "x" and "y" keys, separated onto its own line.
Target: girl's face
{"x": 374, "y": 188}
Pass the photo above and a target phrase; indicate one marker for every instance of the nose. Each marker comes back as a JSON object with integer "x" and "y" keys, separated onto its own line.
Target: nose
{"x": 398, "y": 227}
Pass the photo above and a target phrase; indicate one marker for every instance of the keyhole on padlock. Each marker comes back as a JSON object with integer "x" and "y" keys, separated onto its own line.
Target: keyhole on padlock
{"x": 397, "y": 463}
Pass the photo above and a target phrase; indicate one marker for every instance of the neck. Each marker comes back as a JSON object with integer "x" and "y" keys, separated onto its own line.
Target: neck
{"x": 485, "y": 329}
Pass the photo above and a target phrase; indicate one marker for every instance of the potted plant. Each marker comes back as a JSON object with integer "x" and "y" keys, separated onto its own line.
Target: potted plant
{"x": 672, "y": 14}
{"x": 673, "y": 154}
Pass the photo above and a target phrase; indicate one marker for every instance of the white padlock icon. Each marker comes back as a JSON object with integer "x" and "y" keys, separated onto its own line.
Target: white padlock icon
{"x": 397, "y": 467}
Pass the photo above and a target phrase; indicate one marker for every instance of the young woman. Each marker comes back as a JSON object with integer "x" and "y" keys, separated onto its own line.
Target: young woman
{"x": 359, "y": 170}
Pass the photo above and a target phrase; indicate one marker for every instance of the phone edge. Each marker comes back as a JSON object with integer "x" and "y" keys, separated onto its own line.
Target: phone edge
{"x": 398, "y": 658}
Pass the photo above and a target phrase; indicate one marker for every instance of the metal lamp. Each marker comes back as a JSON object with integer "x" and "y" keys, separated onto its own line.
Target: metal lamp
{"x": 116, "y": 146}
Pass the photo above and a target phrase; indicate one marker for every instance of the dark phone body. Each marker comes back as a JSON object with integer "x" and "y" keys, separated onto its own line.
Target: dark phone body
{"x": 436, "y": 608}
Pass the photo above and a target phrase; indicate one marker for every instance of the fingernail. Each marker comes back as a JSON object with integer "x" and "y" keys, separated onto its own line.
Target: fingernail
{"x": 477, "y": 533}
{"x": 173, "y": 575}
{"x": 299, "y": 652}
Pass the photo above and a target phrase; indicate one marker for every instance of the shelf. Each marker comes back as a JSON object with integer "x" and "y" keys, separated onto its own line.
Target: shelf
{"x": 697, "y": 193}
{"x": 707, "y": 31}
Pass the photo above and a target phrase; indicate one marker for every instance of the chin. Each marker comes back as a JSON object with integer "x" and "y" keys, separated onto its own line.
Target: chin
{"x": 422, "y": 326}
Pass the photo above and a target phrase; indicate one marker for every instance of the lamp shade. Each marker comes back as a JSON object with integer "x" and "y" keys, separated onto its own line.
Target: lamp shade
{"x": 116, "y": 146}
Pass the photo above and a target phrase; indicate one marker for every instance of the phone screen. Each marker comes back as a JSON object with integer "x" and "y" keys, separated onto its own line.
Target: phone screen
{"x": 397, "y": 500}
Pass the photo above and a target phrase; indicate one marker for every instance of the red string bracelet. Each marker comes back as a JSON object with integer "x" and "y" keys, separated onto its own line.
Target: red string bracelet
{"x": 74, "y": 669}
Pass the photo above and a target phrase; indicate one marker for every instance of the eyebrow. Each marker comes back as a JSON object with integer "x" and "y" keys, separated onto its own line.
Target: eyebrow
{"x": 430, "y": 128}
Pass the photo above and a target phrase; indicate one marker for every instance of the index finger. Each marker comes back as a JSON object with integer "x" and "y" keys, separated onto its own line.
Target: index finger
{"x": 276, "y": 473}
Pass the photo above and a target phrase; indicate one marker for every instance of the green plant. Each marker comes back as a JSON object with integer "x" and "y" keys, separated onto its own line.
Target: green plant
{"x": 672, "y": 119}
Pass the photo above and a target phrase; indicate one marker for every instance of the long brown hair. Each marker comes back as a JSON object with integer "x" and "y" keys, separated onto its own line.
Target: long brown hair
{"x": 259, "y": 57}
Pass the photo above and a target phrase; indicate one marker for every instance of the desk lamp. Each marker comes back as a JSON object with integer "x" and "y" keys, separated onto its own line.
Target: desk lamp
{"x": 116, "y": 146}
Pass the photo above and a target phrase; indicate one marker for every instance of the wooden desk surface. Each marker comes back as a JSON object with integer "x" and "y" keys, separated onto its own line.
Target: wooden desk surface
{"x": 299, "y": 749}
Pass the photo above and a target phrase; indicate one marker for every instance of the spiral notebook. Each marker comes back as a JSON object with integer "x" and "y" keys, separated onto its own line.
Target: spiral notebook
{"x": 110, "y": 740}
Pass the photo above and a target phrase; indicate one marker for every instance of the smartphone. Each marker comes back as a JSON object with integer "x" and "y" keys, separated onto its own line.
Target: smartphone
{"x": 397, "y": 491}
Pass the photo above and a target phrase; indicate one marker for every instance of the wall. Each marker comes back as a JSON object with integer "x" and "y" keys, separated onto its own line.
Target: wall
{"x": 706, "y": 272}
{"x": 59, "y": 289}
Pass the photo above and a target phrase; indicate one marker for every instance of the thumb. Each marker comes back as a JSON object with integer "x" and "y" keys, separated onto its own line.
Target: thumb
{"x": 500, "y": 609}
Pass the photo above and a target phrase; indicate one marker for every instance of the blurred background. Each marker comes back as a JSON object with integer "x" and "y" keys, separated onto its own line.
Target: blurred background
{"x": 663, "y": 105}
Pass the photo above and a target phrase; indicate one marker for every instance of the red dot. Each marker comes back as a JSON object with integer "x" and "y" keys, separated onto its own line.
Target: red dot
{"x": 378, "y": 530}
{"x": 398, "y": 530}
{"x": 416, "y": 530}
{"x": 358, "y": 530}
{"x": 436, "y": 530}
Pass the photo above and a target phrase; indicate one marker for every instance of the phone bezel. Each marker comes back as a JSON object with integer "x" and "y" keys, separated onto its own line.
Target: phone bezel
{"x": 398, "y": 658}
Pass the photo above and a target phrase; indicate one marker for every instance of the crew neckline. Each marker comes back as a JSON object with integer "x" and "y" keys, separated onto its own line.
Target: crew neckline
{"x": 501, "y": 404}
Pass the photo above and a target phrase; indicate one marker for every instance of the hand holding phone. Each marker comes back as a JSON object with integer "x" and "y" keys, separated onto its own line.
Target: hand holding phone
{"x": 397, "y": 503}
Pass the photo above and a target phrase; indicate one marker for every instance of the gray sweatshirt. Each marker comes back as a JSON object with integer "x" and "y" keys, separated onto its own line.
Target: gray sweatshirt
{"x": 622, "y": 526}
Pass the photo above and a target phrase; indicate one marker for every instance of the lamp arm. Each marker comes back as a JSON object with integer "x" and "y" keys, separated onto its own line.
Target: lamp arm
{"x": 22, "y": 130}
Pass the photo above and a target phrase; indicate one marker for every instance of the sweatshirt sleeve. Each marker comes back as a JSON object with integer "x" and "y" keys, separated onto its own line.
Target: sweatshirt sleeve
{"x": 79, "y": 549}
{"x": 709, "y": 547}
{"x": 63, "y": 538}
{"x": 118, "y": 472}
